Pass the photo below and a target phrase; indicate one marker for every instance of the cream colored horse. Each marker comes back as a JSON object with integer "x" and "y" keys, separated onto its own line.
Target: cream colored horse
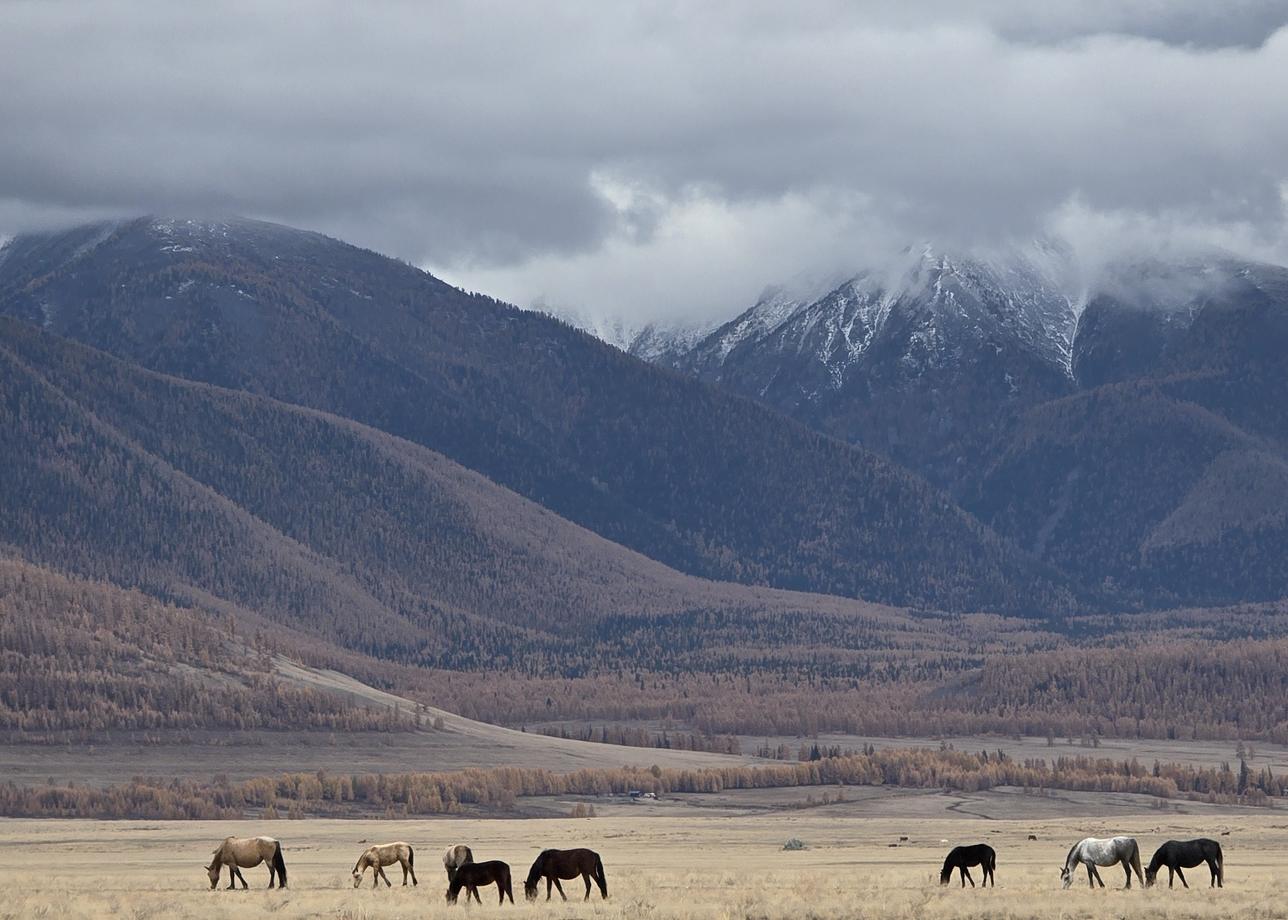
{"x": 239, "y": 853}
{"x": 381, "y": 855}
{"x": 455, "y": 857}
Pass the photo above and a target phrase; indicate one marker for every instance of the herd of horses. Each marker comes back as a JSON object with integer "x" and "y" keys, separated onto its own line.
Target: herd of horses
{"x": 1094, "y": 851}
{"x": 463, "y": 873}
{"x": 552, "y": 866}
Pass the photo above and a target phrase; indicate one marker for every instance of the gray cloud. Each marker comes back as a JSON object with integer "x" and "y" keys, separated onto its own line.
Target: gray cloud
{"x": 653, "y": 159}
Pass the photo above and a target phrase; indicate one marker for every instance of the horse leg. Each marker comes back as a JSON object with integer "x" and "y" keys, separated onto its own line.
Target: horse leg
{"x": 966, "y": 877}
{"x": 1127, "y": 869}
{"x": 402, "y": 862}
{"x": 559, "y": 888}
{"x": 1094, "y": 874}
{"x": 1181, "y": 876}
{"x": 388, "y": 884}
{"x": 241, "y": 878}
{"x": 474, "y": 890}
{"x": 1171, "y": 877}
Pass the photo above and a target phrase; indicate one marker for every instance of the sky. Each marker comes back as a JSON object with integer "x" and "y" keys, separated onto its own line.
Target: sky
{"x": 656, "y": 160}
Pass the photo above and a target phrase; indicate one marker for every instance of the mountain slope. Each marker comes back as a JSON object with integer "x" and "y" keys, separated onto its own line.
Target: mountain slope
{"x": 1135, "y": 442}
{"x": 702, "y": 481}
{"x": 910, "y": 360}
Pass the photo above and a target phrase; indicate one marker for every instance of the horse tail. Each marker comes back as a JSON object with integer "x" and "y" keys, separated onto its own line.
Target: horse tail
{"x": 1135, "y": 860}
{"x": 600, "y": 878}
{"x": 280, "y": 865}
{"x": 411, "y": 856}
{"x": 1220, "y": 865}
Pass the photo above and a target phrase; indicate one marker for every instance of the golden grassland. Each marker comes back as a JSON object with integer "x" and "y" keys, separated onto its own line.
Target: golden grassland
{"x": 657, "y": 867}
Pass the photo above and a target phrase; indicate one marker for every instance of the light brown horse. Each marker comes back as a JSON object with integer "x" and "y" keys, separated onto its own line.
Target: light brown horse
{"x": 239, "y": 853}
{"x": 454, "y": 857}
{"x": 381, "y": 855}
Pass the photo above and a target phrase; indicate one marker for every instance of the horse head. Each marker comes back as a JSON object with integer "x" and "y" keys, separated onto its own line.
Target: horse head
{"x": 357, "y": 878}
{"x": 1150, "y": 876}
{"x": 212, "y": 870}
{"x": 1066, "y": 877}
{"x": 530, "y": 890}
{"x": 946, "y": 876}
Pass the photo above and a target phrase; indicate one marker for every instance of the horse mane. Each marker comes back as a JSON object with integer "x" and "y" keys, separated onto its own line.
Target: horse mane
{"x": 534, "y": 874}
{"x": 1068, "y": 859}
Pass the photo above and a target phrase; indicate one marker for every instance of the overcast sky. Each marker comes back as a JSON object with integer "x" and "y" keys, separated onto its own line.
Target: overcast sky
{"x": 661, "y": 158}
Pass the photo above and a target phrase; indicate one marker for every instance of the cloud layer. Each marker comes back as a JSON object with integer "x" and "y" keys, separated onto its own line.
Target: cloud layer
{"x": 653, "y": 159}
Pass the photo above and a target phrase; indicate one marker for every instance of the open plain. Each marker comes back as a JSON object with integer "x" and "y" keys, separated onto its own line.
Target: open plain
{"x": 658, "y": 866}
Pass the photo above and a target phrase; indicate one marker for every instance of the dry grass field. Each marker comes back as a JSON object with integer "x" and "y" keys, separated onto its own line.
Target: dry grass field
{"x": 657, "y": 867}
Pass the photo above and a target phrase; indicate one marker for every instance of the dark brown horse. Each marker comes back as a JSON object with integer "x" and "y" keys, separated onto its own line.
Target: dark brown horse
{"x": 553, "y": 865}
{"x": 981, "y": 854}
{"x": 471, "y": 875}
{"x": 1187, "y": 854}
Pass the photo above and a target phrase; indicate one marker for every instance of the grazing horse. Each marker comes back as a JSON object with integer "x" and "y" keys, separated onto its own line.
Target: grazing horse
{"x": 381, "y": 855}
{"x": 1186, "y": 854}
{"x": 454, "y": 857}
{"x": 239, "y": 853}
{"x": 981, "y": 854}
{"x": 471, "y": 875}
{"x": 1093, "y": 852}
{"x": 553, "y": 865}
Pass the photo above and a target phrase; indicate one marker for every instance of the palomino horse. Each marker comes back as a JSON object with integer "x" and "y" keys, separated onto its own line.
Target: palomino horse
{"x": 455, "y": 857}
{"x": 1093, "y": 852}
{"x": 239, "y": 853}
{"x": 381, "y": 855}
{"x": 553, "y": 865}
{"x": 1179, "y": 854}
{"x": 471, "y": 875}
{"x": 981, "y": 854}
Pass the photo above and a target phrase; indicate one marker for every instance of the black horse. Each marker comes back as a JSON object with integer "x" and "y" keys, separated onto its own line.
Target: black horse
{"x": 471, "y": 875}
{"x": 981, "y": 854}
{"x": 553, "y": 865}
{"x": 1179, "y": 854}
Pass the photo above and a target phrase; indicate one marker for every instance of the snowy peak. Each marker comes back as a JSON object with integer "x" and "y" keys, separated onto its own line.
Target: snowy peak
{"x": 931, "y": 306}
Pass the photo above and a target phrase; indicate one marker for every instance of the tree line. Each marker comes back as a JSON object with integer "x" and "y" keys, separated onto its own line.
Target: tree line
{"x": 498, "y": 789}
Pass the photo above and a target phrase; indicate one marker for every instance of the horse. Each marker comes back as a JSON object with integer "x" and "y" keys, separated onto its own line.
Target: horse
{"x": 239, "y": 853}
{"x": 471, "y": 875}
{"x": 381, "y": 855}
{"x": 981, "y": 854}
{"x": 1179, "y": 854}
{"x": 454, "y": 857}
{"x": 553, "y": 865}
{"x": 1092, "y": 852}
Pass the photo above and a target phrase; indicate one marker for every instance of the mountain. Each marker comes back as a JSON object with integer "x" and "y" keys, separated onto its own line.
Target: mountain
{"x": 1171, "y": 479}
{"x": 910, "y": 359}
{"x": 703, "y": 481}
{"x": 1132, "y": 436}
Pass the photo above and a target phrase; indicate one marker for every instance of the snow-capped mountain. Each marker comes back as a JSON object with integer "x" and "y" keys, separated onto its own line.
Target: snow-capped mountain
{"x": 926, "y": 357}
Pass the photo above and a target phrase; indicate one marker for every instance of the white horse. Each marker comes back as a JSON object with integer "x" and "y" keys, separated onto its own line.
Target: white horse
{"x": 239, "y": 853}
{"x": 385, "y": 854}
{"x": 454, "y": 857}
{"x": 1093, "y": 851}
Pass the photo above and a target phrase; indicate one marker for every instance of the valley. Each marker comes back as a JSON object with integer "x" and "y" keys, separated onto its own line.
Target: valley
{"x": 870, "y": 866}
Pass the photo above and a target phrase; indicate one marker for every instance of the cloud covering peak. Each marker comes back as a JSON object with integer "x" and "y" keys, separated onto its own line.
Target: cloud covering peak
{"x": 654, "y": 160}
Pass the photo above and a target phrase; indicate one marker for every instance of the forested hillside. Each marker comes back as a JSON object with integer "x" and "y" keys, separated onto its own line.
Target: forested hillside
{"x": 78, "y": 657}
{"x": 705, "y": 482}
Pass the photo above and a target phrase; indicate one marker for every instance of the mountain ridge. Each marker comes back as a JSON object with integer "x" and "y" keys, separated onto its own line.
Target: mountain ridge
{"x": 595, "y": 436}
